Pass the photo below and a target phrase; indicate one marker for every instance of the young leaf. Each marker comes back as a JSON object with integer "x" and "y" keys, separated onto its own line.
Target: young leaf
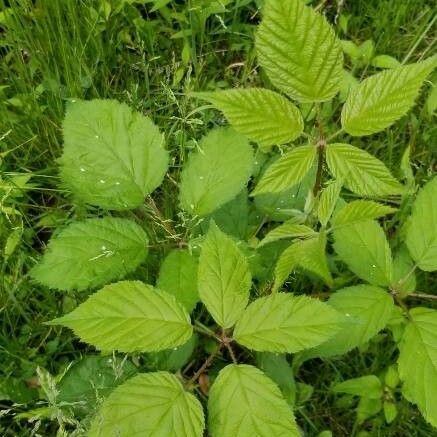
{"x": 113, "y": 157}
{"x": 149, "y": 404}
{"x": 360, "y": 210}
{"x": 287, "y": 171}
{"x": 91, "y": 253}
{"x": 328, "y": 200}
{"x": 178, "y": 276}
{"x": 256, "y": 405}
{"x": 366, "y": 310}
{"x": 282, "y": 322}
{"x": 289, "y": 229}
{"x": 421, "y": 237}
{"x": 217, "y": 173}
{"x": 224, "y": 277}
{"x": 363, "y": 247}
{"x": 130, "y": 316}
{"x": 382, "y": 99}
{"x": 403, "y": 278}
{"x": 362, "y": 173}
{"x": 418, "y": 362}
{"x": 299, "y": 51}
{"x": 262, "y": 115}
{"x": 368, "y": 386}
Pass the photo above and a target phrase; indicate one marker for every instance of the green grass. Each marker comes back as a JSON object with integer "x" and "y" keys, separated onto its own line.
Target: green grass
{"x": 54, "y": 51}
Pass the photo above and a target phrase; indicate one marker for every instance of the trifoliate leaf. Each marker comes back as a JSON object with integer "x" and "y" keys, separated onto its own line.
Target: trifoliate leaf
{"x": 262, "y": 115}
{"x": 421, "y": 237}
{"x": 178, "y": 276}
{"x": 382, "y": 99}
{"x": 287, "y": 171}
{"x": 91, "y": 253}
{"x": 364, "y": 248}
{"x": 258, "y": 407}
{"x": 113, "y": 157}
{"x": 282, "y": 322}
{"x": 217, "y": 173}
{"x": 362, "y": 173}
{"x": 328, "y": 200}
{"x": 289, "y": 229}
{"x": 299, "y": 51}
{"x": 417, "y": 362}
{"x": 150, "y": 404}
{"x": 130, "y": 316}
{"x": 360, "y": 210}
{"x": 224, "y": 277}
{"x": 368, "y": 386}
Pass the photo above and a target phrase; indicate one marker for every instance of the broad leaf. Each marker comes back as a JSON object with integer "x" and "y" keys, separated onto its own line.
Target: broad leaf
{"x": 224, "y": 277}
{"x": 421, "y": 238}
{"x": 217, "y": 173}
{"x": 380, "y": 100}
{"x": 289, "y": 229}
{"x": 366, "y": 310}
{"x": 287, "y": 171}
{"x": 362, "y": 173}
{"x": 363, "y": 247}
{"x": 113, "y": 157}
{"x": 150, "y": 404}
{"x": 244, "y": 402}
{"x": 328, "y": 200}
{"x": 417, "y": 362}
{"x": 368, "y": 386}
{"x": 299, "y": 51}
{"x": 262, "y": 115}
{"x": 178, "y": 276}
{"x": 91, "y": 253}
{"x": 130, "y": 316}
{"x": 282, "y": 322}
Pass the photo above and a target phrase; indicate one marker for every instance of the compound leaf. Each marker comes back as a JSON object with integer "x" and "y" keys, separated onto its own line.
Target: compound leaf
{"x": 150, "y": 404}
{"x": 90, "y": 253}
{"x": 130, "y": 316}
{"x": 360, "y": 210}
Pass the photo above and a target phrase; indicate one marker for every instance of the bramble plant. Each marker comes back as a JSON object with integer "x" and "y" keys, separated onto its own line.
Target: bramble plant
{"x": 236, "y": 294}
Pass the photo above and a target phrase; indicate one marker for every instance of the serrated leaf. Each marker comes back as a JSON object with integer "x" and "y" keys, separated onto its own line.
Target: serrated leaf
{"x": 217, "y": 173}
{"x": 363, "y": 247}
{"x": 403, "y": 278}
{"x": 368, "y": 386}
{"x": 224, "y": 277}
{"x": 262, "y": 115}
{"x": 421, "y": 236}
{"x": 257, "y": 406}
{"x": 113, "y": 157}
{"x": 417, "y": 362}
{"x": 362, "y": 173}
{"x": 91, "y": 253}
{"x": 289, "y": 229}
{"x": 130, "y": 316}
{"x": 382, "y": 99}
{"x": 283, "y": 323}
{"x": 299, "y": 51}
{"x": 287, "y": 171}
{"x": 360, "y": 210}
{"x": 366, "y": 310}
{"x": 178, "y": 276}
{"x": 328, "y": 200}
{"x": 150, "y": 404}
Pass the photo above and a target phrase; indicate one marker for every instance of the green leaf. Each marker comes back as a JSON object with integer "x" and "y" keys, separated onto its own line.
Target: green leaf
{"x": 362, "y": 173}
{"x": 91, "y": 253}
{"x": 385, "y": 61}
{"x": 366, "y": 310}
{"x": 360, "y": 210}
{"x": 283, "y": 323}
{"x": 363, "y": 247}
{"x": 368, "y": 386}
{"x": 307, "y": 254}
{"x": 217, "y": 173}
{"x": 150, "y": 404}
{"x": 421, "y": 237}
{"x": 380, "y": 100}
{"x": 113, "y": 157}
{"x": 299, "y": 51}
{"x": 403, "y": 278}
{"x": 289, "y": 229}
{"x": 178, "y": 276}
{"x": 250, "y": 112}
{"x": 256, "y": 405}
{"x": 328, "y": 200}
{"x": 287, "y": 171}
{"x": 130, "y": 316}
{"x": 418, "y": 362}
{"x": 224, "y": 277}
{"x": 368, "y": 407}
